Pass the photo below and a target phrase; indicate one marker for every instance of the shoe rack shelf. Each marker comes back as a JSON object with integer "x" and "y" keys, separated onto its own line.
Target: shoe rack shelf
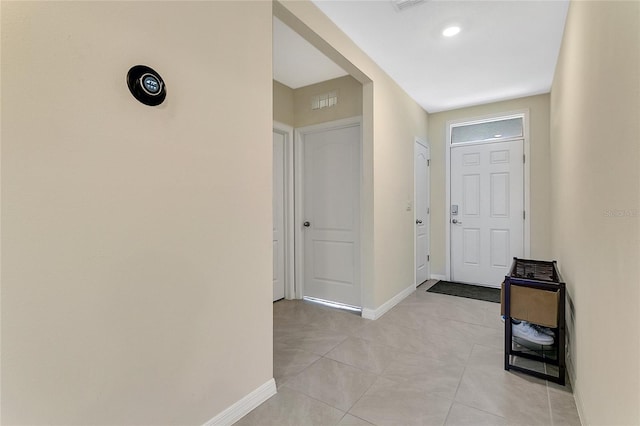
{"x": 526, "y": 278}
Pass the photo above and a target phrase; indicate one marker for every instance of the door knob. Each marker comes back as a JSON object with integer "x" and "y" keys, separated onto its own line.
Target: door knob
{"x": 307, "y": 224}
{"x": 418, "y": 221}
{"x": 456, "y": 221}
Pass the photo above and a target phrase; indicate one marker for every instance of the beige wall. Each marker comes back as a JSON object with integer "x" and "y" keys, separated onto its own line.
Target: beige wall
{"x": 126, "y": 229}
{"x": 283, "y": 107}
{"x": 349, "y": 101}
{"x": 539, "y": 213}
{"x": 391, "y": 121}
{"x": 595, "y": 106}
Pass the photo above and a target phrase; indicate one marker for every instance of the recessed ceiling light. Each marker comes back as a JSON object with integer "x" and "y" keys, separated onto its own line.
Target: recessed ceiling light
{"x": 451, "y": 31}
{"x": 497, "y": 136}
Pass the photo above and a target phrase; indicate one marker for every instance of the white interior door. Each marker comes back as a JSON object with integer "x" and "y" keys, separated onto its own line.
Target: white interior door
{"x": 331, "y": 214}
{"x": 421, "y": 174}
{"x": 278, "y": 215}
{"x": 487, "y": 191}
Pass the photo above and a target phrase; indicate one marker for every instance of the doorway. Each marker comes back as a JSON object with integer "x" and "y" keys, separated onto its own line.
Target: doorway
{"x": 422, "y": 210}
{"x": 305, "y": 94}
{"x": 487, "y": 198}
{"x": 282, "y": 211}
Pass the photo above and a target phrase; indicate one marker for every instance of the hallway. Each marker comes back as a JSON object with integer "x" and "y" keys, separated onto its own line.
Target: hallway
{"x": 431, "y": 360}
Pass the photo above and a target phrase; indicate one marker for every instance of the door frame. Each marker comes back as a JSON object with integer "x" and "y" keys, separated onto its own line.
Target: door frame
{"x": 298, "y": 198}
{"x": 289, "y": 264}
{"x": 424, "y": 143}
{"x": 524, "y": 114}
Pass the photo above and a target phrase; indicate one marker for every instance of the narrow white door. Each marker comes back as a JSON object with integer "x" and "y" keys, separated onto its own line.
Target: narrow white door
{"x": 331, "y": 214}
{"x": 487, "y": 211}
{"x": 421, "y": 177}
{"x": 278, "y": 216}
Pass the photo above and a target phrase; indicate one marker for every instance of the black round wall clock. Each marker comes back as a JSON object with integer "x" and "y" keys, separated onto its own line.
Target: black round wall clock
{"x": 146, "y": 85}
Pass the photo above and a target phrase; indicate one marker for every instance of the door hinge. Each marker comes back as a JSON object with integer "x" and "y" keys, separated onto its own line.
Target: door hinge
{"x": 428, "y": 258}
{"x": 524, "y": 215}
{"x": 428, "y": 210}
{"x": 428, "y": 163}
{"x": 524, "y": 158}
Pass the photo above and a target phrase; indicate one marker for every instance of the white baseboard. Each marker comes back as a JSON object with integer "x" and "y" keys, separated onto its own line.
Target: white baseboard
{"x": 438, "y": 277}
{"x": 578, "y": 399}
{"x": 374, "y": 314}
{"x": 575, "y": 388}
{"x": 244, "y": 406}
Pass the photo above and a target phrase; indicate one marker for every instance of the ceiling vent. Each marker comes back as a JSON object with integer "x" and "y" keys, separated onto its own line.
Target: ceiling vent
{"x": 401, "y": 5}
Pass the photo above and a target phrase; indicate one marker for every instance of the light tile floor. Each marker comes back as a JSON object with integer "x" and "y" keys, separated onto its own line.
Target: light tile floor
{"x": 431, "y": 360}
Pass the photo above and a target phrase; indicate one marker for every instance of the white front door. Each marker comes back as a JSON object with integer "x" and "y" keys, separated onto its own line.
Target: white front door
{"x": 487, "y": 192}
{"x": 421, "y": 177}
{"x": 331, "y": 214}
{"x": 278, "y": 216}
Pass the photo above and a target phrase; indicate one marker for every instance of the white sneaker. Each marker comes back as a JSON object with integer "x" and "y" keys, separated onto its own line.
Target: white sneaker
{"x": 526, "y": 331}
{"x": 544, "y": 330}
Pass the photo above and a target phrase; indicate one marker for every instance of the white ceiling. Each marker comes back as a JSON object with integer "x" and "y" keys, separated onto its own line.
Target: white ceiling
{"x": 296, "y": 63}
{"x": 506, "y": 49}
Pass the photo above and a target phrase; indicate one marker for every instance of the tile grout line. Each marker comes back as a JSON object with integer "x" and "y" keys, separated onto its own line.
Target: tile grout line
{"x": 451, "y": 406}
{"x": 455, "y": 395}
{"x": 362, "y": 396}
{"x": 378, "y": 376}
{"x": 284, "y": 384}
{"x": 342, "y": 363}
{"x": 546, "y": 382}
{"x": 481, "y": 410}
{"x": 549, "y": 399}
{"x": 315, "y": 399}
{"x": 352, "y": 366}
{"x": 455, "y": 401}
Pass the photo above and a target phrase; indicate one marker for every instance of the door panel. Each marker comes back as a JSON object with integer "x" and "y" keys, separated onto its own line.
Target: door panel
{"x": 331, "y": 184}
{"x": 278, "y": 216}
{"x": 471, "y": 246}
{"x": 421, "y": 173}
{"x": 471, "y": 196}
{"x": 500, "y": 195}
{"x": 487, "y": 185}
{"x": 500, "y": 239}
{"x": 329, "y": 177}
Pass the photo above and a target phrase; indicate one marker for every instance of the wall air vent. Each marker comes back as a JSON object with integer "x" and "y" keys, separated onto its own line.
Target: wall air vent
{"x": 401, "y": 5}
{"x": 326, "y": 100}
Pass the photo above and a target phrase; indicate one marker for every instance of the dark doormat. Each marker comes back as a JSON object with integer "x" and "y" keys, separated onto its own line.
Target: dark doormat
{"x": 466, "y": 290}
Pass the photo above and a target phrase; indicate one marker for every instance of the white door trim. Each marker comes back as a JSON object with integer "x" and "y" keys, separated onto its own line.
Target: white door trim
{"x": 425, "y": 144}
{"x": 289, "y": 264}
{"x": 524, "y": 113}
{"x": 299, "y": 195}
